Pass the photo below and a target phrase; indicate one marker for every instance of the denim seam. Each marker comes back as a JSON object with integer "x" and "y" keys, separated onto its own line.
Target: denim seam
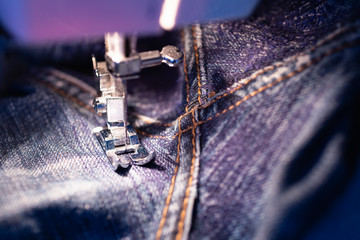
{"x": 282, "y": 78}
{"x": 67, "y": 96}
{"x": 172, "y": 186}
{"x": 185, "y": 204}
{"x": 72, "y": 81}
{"x": 313, "y": 61}
{"x": 181, "y": 222}
{"x": 273, "y": 67}
{"x": 270, "y": 68}
{"x": 237, "y": 88}
{"x": 267, "y": 69}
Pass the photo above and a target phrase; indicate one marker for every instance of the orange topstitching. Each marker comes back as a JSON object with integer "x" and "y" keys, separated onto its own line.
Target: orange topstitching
{"x": 172, "y": 185}
{"x": 64, "y": 94}
{"x": 300, "y": 69}
{"x": 269, "y": 68}
{"x": 187, "y": 191}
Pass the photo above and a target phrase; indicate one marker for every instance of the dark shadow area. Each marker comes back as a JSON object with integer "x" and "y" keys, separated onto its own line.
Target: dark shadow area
{"x": 123, "y": 171}
{"x": 61, "y": 221}
{"x": 160, "y": 79}
{"x": 153, "y": 165}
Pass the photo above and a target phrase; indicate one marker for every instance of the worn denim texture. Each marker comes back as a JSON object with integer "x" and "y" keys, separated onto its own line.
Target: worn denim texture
{"x": 256, "y": 138}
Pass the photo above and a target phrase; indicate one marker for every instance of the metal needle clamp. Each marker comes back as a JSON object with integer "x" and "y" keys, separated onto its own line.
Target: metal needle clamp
{"x": 118, "y": 139}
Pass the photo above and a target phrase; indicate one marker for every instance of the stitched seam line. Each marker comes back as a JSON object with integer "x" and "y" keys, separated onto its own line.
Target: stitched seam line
{"x": 196, "y": 49}
{"x": 187, "y": 191}
{"x": 265, "y": 70}
{"x": 287, "y": 76}
{"x": 64, "y": 94}
{"x": 64, "y": 76}
{"x": 270, "y": 68}
{"x": 335, "y": 35}
{"x": 171, "y": 189}
{"x": 316, "y": 60}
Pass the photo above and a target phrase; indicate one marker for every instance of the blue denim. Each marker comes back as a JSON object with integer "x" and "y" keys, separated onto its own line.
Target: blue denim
{"x": 256, "y": 138}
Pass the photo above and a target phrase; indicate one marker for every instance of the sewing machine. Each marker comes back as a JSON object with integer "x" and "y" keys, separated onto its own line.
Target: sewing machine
{"x": 41, "y": 21}
{"x": 118, "y": 139}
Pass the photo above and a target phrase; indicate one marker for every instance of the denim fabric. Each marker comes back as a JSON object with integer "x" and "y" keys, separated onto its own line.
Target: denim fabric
{"x": 257, "y": 138}
{"x": 287, "y": 146}
{"x": 276, "y": 30}
{"x": 56, "y": 181}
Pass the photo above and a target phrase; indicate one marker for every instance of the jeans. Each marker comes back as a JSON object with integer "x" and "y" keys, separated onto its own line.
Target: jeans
{"x": 256, "y": 137}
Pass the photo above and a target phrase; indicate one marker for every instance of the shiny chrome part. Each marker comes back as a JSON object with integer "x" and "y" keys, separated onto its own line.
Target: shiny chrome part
{"x": 169, "y": 55}
{"x": 118, "y": 139}
{"x": 123, "y": 155}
